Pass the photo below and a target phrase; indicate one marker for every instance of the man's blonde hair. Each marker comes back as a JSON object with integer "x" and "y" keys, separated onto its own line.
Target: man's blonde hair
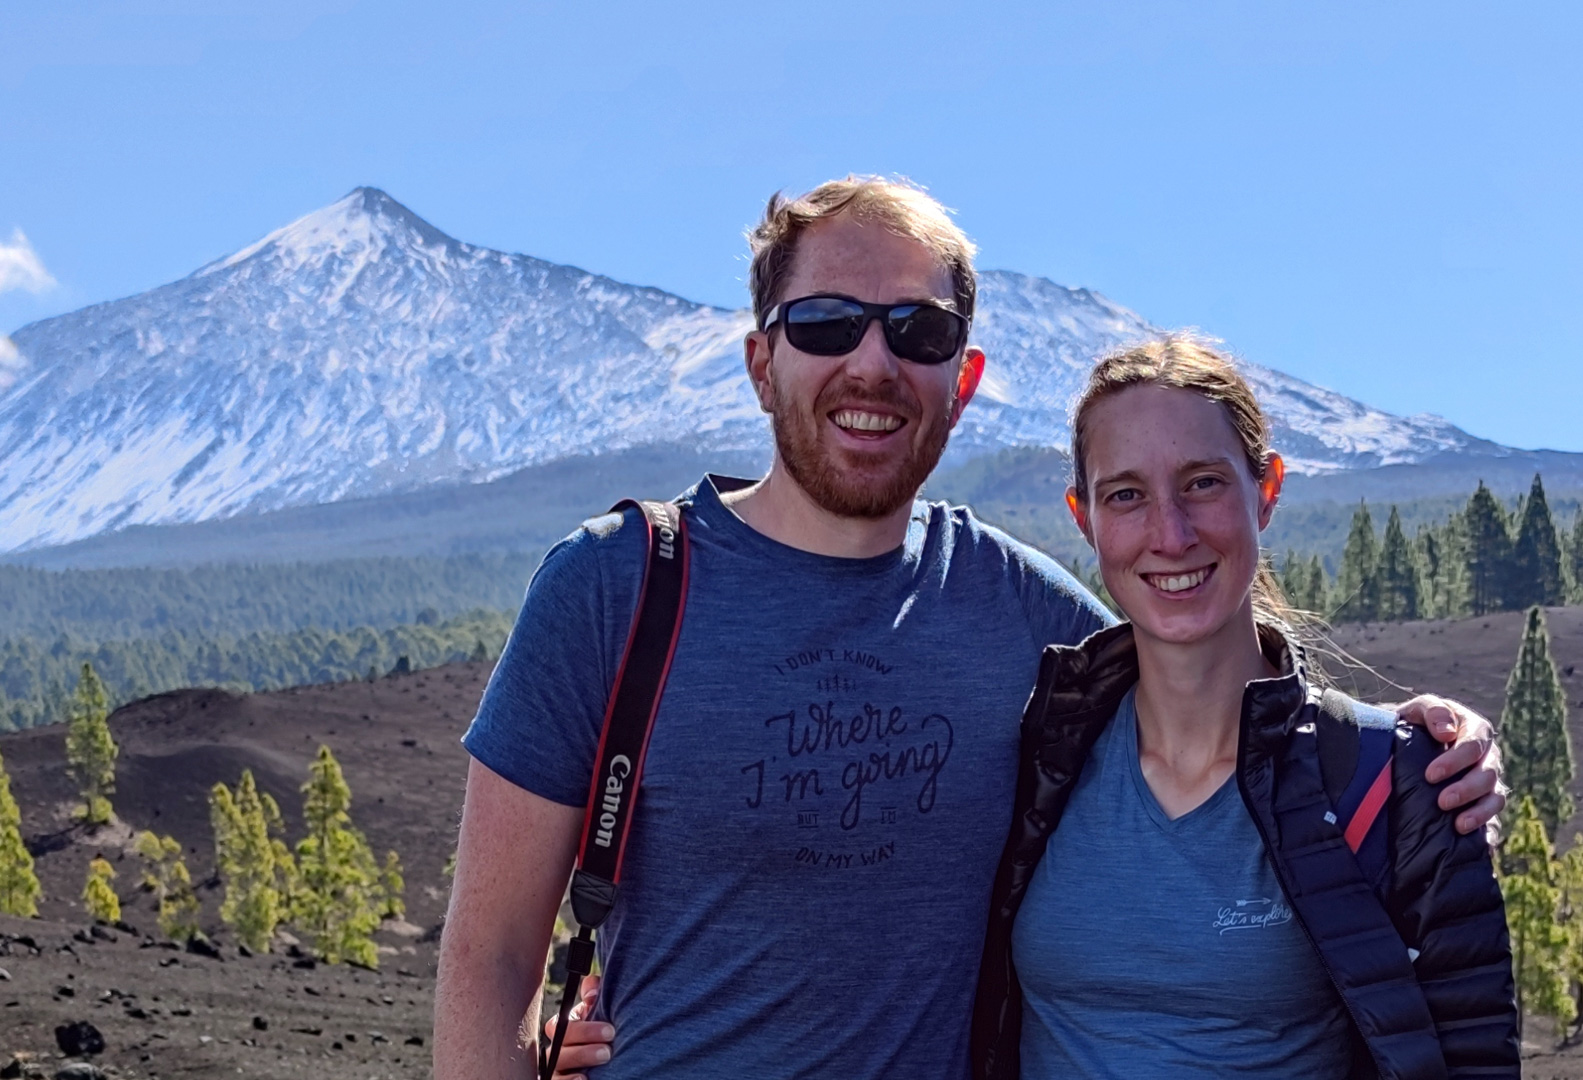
{"x": 898, "y": 205}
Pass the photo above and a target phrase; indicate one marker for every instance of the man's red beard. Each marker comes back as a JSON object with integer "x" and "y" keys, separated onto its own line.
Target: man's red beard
{"x": 854, "y": 490}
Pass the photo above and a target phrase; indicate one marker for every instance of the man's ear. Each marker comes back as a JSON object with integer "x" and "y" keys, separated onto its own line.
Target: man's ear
{"x": 1074, "y": 503}
{"x": 1270, "y": 488}
{"x": 756, "y": 355}
{"x": 967, "y": 380}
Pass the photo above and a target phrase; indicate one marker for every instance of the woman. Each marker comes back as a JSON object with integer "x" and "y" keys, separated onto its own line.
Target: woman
{"x": 1213, "y": 920}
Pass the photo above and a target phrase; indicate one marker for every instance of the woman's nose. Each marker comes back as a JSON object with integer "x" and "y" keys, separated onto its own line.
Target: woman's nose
{"x": 1173, "y": 528}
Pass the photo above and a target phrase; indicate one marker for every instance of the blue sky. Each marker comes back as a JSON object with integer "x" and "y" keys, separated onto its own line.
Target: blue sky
{"x": 1384, "y": 199}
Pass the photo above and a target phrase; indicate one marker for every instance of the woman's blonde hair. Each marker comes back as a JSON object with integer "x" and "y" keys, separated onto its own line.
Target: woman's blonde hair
{"x": 1185, "y": 362}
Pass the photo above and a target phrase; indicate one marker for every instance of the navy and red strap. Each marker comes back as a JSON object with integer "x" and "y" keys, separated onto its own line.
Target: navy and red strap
{"x": 623, "y": 745}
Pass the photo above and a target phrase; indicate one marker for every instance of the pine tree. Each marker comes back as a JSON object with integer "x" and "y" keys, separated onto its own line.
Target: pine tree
{"x": 1569, "y": 879}
{"x": 156, "y": 853}
{"x": 1357, "y": 586}
{"x": 90, "y": 751}
{"x": 393, "y": 885}
{"x": 19, "y": 887}
{"x": 1536, "y": 576}
{"x": 1430, "y": 561}
{"x": 1294, "y": 581}
{"x": 98, "y": 896}
{"x": 285, "y": 862}
{"x": 480, "y": 653}
{"x": 1533, "y": 728}
{"x": 252, "y": 905}
{"x": 339, "y": 896}
{"x": 165, "y": 875}
{"x": 1533, "y": 909}
{"x": 178, "y": 911}
{"x": 1317, "y": 591}
{"x": 1577, "y": 558}
{"x": 1489, "y": 552}
{"x": 1398, "y": 575}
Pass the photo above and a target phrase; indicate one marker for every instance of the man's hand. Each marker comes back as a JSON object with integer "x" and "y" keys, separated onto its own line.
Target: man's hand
{"x": 1479, "y": 795}
{"x": 587, "y": 1041}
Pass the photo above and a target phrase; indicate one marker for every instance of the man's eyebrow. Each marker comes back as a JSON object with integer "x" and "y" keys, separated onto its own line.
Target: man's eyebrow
{"x": 949, "y": 303}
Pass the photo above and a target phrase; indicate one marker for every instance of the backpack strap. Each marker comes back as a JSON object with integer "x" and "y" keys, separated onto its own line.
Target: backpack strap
{"x": 1356, "y": 744}
{"x": 623, "y": 743}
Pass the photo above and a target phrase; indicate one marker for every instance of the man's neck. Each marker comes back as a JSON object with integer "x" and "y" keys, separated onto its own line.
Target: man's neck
{"x": 778, "y": 507}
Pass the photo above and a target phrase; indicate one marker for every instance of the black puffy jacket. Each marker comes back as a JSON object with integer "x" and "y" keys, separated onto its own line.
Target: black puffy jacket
{"x": 1449, "y": 1012}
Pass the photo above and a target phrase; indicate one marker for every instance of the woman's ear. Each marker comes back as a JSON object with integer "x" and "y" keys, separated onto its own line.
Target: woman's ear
{"x": 1270, "y": 488}
{"x": 1074, "y": 503}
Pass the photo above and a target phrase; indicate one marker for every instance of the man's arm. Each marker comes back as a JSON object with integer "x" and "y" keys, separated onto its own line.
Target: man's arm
{"x": 513, "y": 859}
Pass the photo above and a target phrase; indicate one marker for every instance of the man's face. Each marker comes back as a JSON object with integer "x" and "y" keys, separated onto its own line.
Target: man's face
{"x": 861, "y": 432}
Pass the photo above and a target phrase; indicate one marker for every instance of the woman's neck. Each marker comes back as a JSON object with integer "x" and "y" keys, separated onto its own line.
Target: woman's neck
{"x": 1189, "y": 704}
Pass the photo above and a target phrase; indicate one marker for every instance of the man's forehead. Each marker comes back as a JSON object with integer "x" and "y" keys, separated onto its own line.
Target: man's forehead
{"x": 868, "y": 261}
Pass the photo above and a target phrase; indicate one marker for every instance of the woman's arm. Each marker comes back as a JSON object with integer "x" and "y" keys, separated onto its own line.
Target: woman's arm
{"x": 1447, "y": 906}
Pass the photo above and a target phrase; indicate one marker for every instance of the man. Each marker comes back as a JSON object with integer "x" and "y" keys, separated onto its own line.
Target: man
{"x": 828, "y": 785}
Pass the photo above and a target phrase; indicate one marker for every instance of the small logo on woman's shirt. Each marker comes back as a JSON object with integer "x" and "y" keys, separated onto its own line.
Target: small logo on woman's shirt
{"x": 1252, "y": 915}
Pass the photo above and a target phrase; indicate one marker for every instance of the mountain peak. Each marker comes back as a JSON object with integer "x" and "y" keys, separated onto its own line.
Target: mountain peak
{"x": 357, "y": 227}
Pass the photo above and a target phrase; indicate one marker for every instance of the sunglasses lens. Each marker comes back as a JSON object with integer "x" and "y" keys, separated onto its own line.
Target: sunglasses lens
{"x": 924, "y": 334}
{"x": 824, "y": 325}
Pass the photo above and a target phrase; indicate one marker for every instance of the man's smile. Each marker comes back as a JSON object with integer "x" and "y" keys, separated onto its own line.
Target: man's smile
{"x": 861, "y": 422}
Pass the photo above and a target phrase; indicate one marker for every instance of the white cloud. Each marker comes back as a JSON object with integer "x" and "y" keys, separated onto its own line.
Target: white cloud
{"x": 11, "y": 362}
{"x": 21, "y": 268}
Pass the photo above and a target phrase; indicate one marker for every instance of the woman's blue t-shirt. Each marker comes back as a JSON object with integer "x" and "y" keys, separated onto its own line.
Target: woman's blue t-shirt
{"x": 1151, "y": 947}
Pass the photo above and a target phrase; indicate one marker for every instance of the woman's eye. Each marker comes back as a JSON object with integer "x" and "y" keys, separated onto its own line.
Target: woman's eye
{"x": 1124, "y": 495}
{"x": 1204, "y": 483}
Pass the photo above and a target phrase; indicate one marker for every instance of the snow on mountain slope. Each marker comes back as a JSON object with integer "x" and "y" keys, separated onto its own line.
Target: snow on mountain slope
{"x": 359, "y": 350}
{"x": 1042, "y": 338}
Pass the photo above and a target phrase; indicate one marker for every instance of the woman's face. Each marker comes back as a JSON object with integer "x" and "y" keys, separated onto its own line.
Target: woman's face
{"x": 1173, "y": 511}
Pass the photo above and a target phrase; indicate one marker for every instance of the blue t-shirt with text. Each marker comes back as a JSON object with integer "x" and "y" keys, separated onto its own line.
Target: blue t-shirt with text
{"x": 826, "y": 793}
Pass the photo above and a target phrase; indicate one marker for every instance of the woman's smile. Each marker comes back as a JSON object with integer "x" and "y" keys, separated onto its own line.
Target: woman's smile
{"x": 1180, "y": 584}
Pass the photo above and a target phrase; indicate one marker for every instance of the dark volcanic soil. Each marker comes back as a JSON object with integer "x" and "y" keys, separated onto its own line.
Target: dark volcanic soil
{"x": 396, "y": 740}
{"x": 169, "y": 1013}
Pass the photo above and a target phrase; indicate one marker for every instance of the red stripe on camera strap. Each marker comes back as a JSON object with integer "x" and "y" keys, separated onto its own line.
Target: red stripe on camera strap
{"x": 623, "y": 745}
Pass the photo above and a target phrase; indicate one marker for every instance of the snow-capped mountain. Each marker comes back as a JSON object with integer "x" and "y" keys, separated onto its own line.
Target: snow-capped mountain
{"x": 360, "y": 351}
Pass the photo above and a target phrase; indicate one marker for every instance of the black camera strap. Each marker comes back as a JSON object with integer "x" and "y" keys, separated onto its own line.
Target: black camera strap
{"x": 629, "y": 718}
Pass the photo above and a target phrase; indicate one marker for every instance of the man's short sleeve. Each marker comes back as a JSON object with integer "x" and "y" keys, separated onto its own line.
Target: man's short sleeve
{"x": 1061, "y": 610}
{"x": 539, "y": 721}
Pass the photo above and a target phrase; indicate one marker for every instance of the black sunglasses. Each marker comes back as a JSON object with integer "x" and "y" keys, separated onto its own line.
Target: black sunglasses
{"x": 826, "y": 325}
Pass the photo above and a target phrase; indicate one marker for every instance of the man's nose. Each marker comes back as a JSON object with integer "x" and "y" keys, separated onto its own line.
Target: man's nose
{"x": 872, "y": 361}
{"x": 1173, "y": 528}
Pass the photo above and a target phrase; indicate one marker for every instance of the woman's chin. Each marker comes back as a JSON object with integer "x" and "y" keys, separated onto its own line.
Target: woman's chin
{"x": 1181, "y": 624}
